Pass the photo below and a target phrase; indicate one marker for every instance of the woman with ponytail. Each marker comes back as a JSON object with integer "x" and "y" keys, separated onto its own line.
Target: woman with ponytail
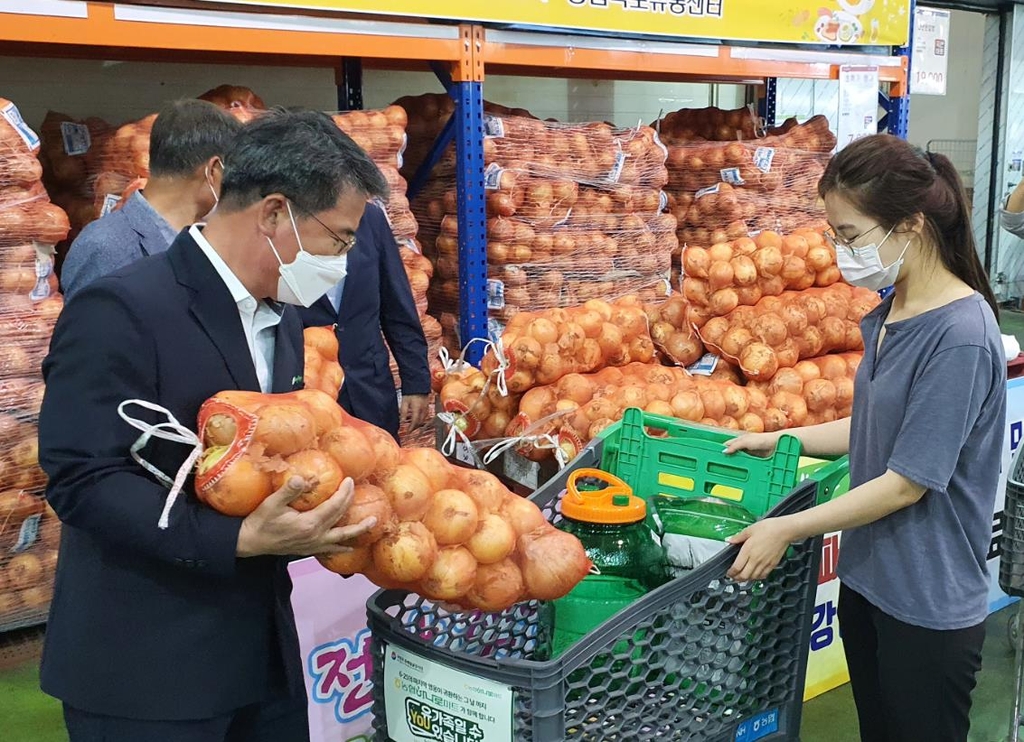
{"x": 925, "y": 444}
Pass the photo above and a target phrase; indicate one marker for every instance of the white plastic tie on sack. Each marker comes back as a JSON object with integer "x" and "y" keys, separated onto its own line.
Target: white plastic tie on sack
{"x": 170, "y": 430}
{"x": 451, "y": 440}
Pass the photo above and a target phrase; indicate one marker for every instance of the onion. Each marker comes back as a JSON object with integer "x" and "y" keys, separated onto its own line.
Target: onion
{"x": 724, "y": 301}
{"x": 713, "y": 401}
{"x": 793, "y": 406}
{"x": 497, "y": 586}
{"x": 486, "y": 490}
{"x": 696, "y": 262}
{"x": 347, "y": 563}
{"x": 285, "y": 429}
{"x": 432, "y": 463}
{"x": 406, "y": 553}
{"x": 409, "y": 491}
{"x": 552, "y": 562}
{"x": 820, "y": 394}
{"x": 452, "y": 575}
{"x": 369, "y": 501}
{"x": 768, "y": 262}
{"x": 326, "y": 412}
{"x": 238, "y": 490}
{"x": 752, "y": 423}
{"x": 522, "y": 514}
{"x": 386, "y": 451}
{"x": 808, "y": 370}
{"x": 775, "y": 419}
{"x": 759, "y": 361}
{"x": 350, "y": 449}
{"x": 494, "y": 540}
{"x": 220, "y": 430}
{"x": 452, "y": 517}
{"x": 744, "y": 271}
{"x": 688, "y": 406}
{"x": 720, "y": 275}
{"x": 312, "y": 465}
{"x": 735, "y": 340}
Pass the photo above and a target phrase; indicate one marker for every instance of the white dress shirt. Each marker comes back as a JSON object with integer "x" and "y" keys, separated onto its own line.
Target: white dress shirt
{"x": 259, "y": 319}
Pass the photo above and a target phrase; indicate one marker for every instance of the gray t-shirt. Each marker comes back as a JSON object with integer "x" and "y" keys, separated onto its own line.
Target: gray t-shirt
{"x": 931, "y": 406}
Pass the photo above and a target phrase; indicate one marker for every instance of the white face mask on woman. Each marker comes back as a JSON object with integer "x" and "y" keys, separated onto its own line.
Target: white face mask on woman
{"x": 862, "y": 266}
{"x": 308, "y": 277}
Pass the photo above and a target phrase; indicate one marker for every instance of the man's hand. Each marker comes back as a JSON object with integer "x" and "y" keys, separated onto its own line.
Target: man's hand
{"x": 415, "y": 409}
{"x": 276, "y": 528}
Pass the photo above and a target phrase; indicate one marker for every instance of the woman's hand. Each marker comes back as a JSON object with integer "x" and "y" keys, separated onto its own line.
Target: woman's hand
{"x": 763, "y": 545}
{"x": 759, "y": 444}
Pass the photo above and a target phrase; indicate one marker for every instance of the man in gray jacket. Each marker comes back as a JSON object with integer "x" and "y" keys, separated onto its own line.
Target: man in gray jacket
{"x": 185, "y": 149}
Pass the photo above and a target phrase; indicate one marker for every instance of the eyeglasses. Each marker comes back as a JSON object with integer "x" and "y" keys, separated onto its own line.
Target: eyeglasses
{"x": 343, "y": 245}
{"x": 835, "y": 240}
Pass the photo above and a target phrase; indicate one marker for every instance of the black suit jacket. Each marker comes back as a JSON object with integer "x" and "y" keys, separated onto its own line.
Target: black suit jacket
{"x": 377, "y": 299}
{"x": 148, "y": 623}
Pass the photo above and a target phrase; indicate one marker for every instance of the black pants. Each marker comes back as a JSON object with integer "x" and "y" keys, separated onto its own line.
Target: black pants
{"x": 279, "y": 721}
{"x": 910, "y": 684}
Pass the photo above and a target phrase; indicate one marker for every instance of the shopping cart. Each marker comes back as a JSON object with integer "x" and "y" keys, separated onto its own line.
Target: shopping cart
{"x": 1011, "y": 578}
{"x": 700, "y": 659}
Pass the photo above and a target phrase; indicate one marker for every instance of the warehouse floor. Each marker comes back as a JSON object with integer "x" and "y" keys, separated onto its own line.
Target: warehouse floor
{"x": 26, "y": 715}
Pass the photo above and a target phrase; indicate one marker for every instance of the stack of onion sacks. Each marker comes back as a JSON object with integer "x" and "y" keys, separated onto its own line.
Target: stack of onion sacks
{"x": 540, "y": 348}
{"x": 480, "y": 410}
{"x": 322, "y": 369}
{"x": 781, "y": 330}
{"x": 450, "y": 534}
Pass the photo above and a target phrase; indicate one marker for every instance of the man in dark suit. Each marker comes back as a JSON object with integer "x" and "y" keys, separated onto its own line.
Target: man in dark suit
{"x": 185, "y": 150}
{"x": 186, "y": 633}
{"x": 372, "y": 303}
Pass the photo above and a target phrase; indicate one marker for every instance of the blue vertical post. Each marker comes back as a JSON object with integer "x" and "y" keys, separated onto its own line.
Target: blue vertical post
{"x": 898, "y": 116}
{"x": 472, "y": 198}
{"x": 768, "y": 103}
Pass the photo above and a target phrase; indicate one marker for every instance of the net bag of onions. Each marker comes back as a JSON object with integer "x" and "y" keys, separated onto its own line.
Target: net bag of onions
{"x": 450, "y": 534}
{"x": 322, "y": 370}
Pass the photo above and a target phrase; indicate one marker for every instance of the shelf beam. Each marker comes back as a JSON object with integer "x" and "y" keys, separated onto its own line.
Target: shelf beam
{"x": 115, "y": 26}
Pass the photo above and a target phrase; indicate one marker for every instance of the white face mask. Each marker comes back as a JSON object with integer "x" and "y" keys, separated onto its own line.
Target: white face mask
{"x": 862, "y": 266}
{"x": 308, "y": 277}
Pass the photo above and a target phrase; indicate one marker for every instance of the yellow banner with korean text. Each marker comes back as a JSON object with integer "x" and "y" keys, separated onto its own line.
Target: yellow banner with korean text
{"x": 843, "y": 22}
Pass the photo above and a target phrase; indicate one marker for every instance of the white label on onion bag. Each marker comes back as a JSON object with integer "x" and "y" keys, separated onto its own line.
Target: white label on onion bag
{"x": 705, "y": 366}
{"x": 110, "y": 202}
{"x": 13, "y": 116}
{"x": 464, "y": 453}
{"x": 494, "y": 329}
{"x": 616, "y": 172}
{"x": 710, "y": 190}
{"x": 492, "y": 176}
{"x": 494, "y": 127}
{"x": 520, "y": 469}
{"x": 384, "y": 207}
{"x": 77, "y": 139}
{"x": 28, "y": 534}
{"x": 495, "y": 294}
{"x": 400, "y": 157}
{"x": 763, "y": 157}
{"x": 662, "y": 201}
{"x": 41, "y": 290}
{"x": 44, "y": 265}
{"x": 731, "y": 175}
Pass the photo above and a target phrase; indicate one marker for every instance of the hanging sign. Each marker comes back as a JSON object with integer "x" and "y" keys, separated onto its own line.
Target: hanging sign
{"x": 858, "y": 104}
{"x": 838, "y": 22}
{"x": 929, "y": 59}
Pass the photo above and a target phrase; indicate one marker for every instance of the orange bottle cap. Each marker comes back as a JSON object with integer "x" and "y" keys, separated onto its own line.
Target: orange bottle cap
{"x": 613, "y": 504}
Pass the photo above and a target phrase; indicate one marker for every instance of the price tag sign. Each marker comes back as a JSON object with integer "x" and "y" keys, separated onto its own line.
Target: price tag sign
{"x": 426, "y": 700}
{"x": 858, "y": 103}
{"x": 929, "y": 60}
{"x": 520, "y": 469}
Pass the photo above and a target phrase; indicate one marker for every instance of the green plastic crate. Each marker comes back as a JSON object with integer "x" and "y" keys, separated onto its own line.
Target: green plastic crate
{"x": 688, "y": 460}
{"x": 833, "y": 477}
